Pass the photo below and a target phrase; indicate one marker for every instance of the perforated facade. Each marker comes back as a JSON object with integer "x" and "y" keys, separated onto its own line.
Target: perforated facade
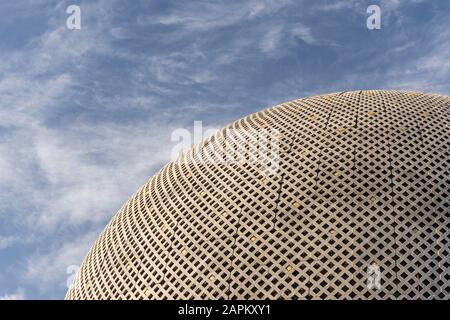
{"x": 358, "y": 208}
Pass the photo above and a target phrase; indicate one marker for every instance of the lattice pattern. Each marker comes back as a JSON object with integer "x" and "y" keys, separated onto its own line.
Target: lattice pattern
{"x": 363, "y": 180}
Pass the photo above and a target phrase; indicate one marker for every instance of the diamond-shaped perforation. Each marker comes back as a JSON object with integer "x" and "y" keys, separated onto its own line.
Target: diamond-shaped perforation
{"x": 362, "y": 180}
{"x": 199, "y": 268}
{"x": 260, "y": 260}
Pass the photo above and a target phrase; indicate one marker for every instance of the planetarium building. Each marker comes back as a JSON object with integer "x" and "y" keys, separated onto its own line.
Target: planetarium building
{"x": 339, "y": 196}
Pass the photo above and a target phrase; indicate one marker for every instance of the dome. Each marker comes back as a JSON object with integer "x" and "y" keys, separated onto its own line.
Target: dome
{"x": 338, "y": 196}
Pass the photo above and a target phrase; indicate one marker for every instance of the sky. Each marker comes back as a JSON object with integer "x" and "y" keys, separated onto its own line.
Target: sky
{"x": 86, "y": 116}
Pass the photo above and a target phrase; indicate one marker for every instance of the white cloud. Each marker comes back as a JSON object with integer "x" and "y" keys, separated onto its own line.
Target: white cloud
{"x": 78, "y": 173}
{"x": 427, "y": 71}
{"x": 59, "y": 169}
{"x": 388, "y": 6}
{"x": 304, "y": 33}
{"x": 271, "y": 39}
{"x": 72, "y": 174}
{"x": 24, "y": 97}
{"x": 6, "y": 241}
{"x": 336, "y": 5}
{"x": 19, "y": 294}
{"x": 48, "y": 271}
{"x": 94, "y": 168}
{"x": 121, "y": 33}
{"x": 278, "y": 38}
{"x": 203, "y": 16}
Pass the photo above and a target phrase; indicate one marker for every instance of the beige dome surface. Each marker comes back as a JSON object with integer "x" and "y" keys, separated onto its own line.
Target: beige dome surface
{"x": 355, "y": 206}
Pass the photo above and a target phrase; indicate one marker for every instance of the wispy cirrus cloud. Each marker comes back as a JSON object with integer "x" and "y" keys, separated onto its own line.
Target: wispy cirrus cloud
{"x": 19, "y": 294}
{"x": 6, "y": 241}
{"x": 205, "y": 16}
{"x": 50, "y": 268}
{"x": 86, "y": 116}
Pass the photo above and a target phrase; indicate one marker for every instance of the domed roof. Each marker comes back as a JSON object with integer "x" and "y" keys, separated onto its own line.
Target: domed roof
{"x": 344, "y": 195}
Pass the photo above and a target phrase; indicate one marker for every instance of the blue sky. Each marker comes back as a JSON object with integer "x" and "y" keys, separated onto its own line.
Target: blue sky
{"x": 86, "y": 115}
